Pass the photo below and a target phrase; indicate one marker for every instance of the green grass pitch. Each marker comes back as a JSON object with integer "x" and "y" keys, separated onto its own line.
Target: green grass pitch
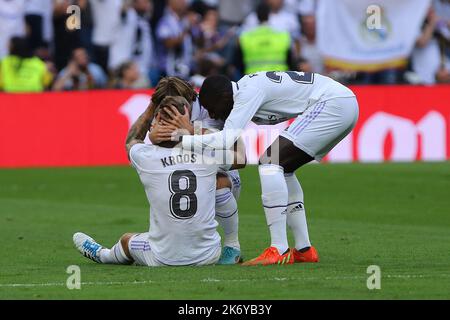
{"x": 396, "y": 216}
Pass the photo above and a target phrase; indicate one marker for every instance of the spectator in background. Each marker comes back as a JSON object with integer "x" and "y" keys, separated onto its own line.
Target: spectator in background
{"x": 159, "y": 6}
{"x": 210, "y": 3}
{"x": 64, "y": 41}
{"x": 233, "y": 12}
{"x": 442, "y": 9}
{"x": 307, "y": 7}
{"x": 205, "y": 68}
{"x": 443, "y": 74}
{"x": 426, "y": 56}
{"x": 278, "y": 19}
{"x": 175, "y": 41}
{"x": 300, "y": 7}
{"x": 106, "y": 19}
{"x": 133, "y": 39}
{"x": 308, "y": 47}
{"x": 20, "y": 71}
{"x": 292, "y": 6}
{"x": 194, "y": 14}
{"x": 216, "y": 45}
{"x": 387, "y": 76}
{"x": 80, "y": 74}
{"x": 303, "y": 65}
{"x": 129, "y": 77}
{"x": 429, "y": 62}
{"x": 38, "y": 17}
{"x": 264, "y": 47}
{"x": 11, "y": 22}
{"x": 87, "y": 24}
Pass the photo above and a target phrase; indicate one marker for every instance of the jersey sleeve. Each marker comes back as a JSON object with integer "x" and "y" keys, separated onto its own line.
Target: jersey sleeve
{"x": 137, "y": 155}
{"x": 246, "y": 103}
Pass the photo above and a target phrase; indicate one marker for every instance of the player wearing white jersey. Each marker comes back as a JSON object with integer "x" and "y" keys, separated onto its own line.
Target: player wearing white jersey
{"x": 325, "y": 113}
{"x": 181, "y": 187}
{"x": 228, "y": 182}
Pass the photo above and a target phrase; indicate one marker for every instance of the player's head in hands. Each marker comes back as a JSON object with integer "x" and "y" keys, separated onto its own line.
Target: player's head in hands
{"x": 216, "y": 96}
{"x": 170, "y": 108}
{"x": 178, "y": 102}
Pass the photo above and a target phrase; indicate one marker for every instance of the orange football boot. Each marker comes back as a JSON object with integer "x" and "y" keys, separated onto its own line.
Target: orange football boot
{"x": 310, "y": 255}
{"x": 271, "y": 256}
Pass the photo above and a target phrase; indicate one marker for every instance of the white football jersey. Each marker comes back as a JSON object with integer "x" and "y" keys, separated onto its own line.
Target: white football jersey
{"x": 201, "y": 114}
{"x": 181, "y": 190}
{"x": 269, "y": 98}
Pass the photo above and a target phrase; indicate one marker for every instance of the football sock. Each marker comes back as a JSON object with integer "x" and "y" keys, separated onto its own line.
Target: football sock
{"x": 115, "y": 255}
{"x": 275, "y": 198}
{"x": 227, "y": 216}
{"x": 296, "y": 217}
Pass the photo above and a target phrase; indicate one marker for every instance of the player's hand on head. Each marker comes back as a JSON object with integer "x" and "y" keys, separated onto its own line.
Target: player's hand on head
{"x": 181, "y": 121}
{"x": 161, "y": 131}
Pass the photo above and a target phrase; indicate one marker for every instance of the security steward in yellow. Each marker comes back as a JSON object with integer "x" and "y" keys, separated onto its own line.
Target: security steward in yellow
{"x": 21, "y": 72}
{"x": 263, "y": 48}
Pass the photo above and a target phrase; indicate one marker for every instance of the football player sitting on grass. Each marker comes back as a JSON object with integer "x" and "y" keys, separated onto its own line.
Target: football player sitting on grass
{"x": 181, "y": 188}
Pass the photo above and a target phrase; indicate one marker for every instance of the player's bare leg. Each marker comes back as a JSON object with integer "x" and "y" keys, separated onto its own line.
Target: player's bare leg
{"x": 281, "y": 197}
{"x": 227, "y": 216}
{"x": 118, "y": 254}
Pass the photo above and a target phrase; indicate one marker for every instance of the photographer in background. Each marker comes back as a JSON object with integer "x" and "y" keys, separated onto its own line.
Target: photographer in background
{"x": 80, "y": 74}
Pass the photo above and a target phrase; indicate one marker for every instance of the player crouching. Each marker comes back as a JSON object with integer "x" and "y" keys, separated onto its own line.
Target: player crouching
{"x": 181, "y": 187}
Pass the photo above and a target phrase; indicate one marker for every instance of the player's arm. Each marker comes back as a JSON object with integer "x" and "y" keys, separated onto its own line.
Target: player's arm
{"x": 139, "y": 129}
{"x": 234, "y": 158}
{"x": 245, "y": 106}
{"x": 240, "y": 158}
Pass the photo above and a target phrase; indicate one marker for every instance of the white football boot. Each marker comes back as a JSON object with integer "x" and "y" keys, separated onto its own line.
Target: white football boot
{"x": 87, "y": 246}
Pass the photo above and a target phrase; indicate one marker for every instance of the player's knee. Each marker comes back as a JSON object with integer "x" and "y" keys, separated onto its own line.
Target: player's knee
{"x": 222, "y": 181}
{"x": 124, "y": 240}
{"x": 126, "y": 236}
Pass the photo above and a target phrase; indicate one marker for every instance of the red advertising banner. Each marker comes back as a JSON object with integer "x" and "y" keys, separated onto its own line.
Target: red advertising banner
{"x": 397, "y": 123}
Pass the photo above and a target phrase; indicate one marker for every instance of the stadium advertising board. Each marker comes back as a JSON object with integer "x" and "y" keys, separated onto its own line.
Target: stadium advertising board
{"x": 396, "y": 123}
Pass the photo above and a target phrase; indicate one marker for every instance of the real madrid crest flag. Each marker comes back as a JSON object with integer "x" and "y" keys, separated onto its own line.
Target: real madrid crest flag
{"x": 367, "y": 35}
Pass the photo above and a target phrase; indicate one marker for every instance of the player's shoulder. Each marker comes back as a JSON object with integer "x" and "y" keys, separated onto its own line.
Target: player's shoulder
{"x": 142, "y": 148}
{"x": 250, "y": 78}
{"x": 198, "y": 113}
{"x": 250, "y": 82}
{"x": 142, "y": 153}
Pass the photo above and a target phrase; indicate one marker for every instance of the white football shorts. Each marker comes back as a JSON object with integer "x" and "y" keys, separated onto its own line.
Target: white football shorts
{"x": 235, "y": 180}
{"x": 323, "y": 125}
{"x": 139, "y": 247}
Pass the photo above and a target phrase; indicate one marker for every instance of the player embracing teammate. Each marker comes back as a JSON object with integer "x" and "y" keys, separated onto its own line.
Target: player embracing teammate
{"x": 325, "y": 112}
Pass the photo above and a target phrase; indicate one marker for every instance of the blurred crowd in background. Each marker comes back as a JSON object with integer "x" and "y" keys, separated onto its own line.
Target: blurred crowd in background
{"x": 131, "y": 44}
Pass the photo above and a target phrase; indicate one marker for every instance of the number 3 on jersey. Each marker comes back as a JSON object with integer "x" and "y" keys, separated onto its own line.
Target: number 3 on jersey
{"x": 185, "y": 196}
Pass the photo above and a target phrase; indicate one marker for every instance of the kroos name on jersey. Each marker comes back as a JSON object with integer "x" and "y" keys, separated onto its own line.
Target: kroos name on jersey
{"x": 181, "y": 158}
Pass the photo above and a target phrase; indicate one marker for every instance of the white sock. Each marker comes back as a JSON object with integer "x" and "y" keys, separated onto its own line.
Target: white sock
{"x": 296, "y": 216}
{"x": 227, "y": 216}
{"x": 115, "y": 255}
{"x": 275, "y": 199}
